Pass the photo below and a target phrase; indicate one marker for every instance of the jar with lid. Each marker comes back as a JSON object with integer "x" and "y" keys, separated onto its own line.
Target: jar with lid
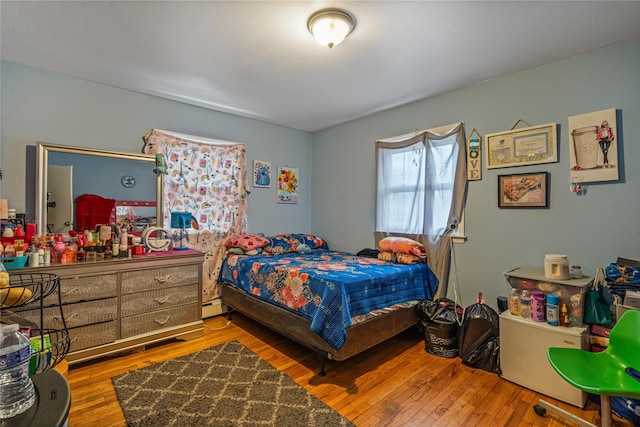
{"x": 18, "y": 245}
{"x": 537, "y": 306}
{"x": 556, "y": 266}
{"x": 525, "y": 304}
{"x": 9, "y": 251}
{"x": 514, "y": 302}
{"x": 576, "y": 272}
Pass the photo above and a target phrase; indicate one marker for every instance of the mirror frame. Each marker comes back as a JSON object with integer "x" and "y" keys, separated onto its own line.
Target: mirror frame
{"x": 42, "y": 167}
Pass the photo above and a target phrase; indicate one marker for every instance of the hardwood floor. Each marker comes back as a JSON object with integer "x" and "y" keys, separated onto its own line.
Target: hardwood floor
{"x": 396, "y": 383}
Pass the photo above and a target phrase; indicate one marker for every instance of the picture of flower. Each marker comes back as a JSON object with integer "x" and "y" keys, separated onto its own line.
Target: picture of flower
{"x": 287, "y": 191}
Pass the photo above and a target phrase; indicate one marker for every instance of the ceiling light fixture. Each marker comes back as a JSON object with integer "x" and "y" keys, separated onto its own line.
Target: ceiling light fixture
{"x": 330, "y": 26}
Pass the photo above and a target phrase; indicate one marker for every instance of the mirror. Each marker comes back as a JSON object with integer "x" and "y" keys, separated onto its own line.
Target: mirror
{"x": 65, "y": 173}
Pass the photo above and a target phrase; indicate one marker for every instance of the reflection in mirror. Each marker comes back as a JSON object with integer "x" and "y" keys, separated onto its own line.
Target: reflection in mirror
{"x": 134, "y": 216}
{"x": 77, "y": 187}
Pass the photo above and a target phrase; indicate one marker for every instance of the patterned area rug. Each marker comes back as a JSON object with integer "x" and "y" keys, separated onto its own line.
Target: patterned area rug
{"x": 225, "y": 385}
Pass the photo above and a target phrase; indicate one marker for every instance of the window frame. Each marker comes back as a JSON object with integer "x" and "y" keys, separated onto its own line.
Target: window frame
{"x": 458, "y": 235}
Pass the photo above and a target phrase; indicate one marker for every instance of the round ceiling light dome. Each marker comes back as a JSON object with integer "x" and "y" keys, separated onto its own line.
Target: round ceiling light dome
{"x": 330, "y": 26}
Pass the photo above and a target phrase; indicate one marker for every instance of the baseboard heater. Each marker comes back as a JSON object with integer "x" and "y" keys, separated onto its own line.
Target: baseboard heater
{"x": 213, "y": 308}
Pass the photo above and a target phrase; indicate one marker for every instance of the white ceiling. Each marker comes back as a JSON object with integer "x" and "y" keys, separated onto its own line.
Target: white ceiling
{"x": 257, "y": 58}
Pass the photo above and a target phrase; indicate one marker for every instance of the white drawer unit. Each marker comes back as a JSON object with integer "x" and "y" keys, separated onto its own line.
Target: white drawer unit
{"x": 523, "y": 356}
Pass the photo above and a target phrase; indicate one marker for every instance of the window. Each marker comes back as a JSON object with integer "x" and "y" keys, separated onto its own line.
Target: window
{"x": 415, "y": 185}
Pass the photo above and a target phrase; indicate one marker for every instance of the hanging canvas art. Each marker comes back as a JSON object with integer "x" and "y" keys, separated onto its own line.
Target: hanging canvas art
{"x": 287, "y": 191}
{"x": 593, "y": 147}
{"x": 261, "y": 173}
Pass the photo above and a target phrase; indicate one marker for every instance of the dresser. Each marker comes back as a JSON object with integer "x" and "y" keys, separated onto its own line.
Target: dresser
{"x": 119, "y": 304}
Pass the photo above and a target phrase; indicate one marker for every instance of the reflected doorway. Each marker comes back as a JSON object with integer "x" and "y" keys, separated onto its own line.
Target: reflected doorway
{"x": 59, "y": 199}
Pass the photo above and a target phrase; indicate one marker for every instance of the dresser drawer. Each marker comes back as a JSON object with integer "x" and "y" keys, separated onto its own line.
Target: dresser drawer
{"x": 148, "y": 322}
{"x": 142, "y": 280}
{"x": 92, "y": 335}
{"x": 144, "y": 302}
{"x": 74, "y": 289}
{"x": 79, "y": 314}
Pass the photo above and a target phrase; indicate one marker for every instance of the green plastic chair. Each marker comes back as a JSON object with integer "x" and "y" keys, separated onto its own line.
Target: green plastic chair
{"x": 608, "y": 373}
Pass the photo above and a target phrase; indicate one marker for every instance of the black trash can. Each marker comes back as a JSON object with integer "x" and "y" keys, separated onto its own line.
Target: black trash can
{"x": 440, "y": 320}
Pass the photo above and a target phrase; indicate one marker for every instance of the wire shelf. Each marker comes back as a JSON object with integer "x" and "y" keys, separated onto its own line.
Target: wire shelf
{"x": 48, "y": 349}
{"x": 28, "y": 287}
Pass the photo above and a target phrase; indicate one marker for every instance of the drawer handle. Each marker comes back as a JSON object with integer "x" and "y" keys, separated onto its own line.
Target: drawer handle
{"x": 73, "y": 316}
{"x": 163, "y": 279}
{"x": 162, "y": 322}
{"x": 162, "y": 301}
{"x": 569, "y": 342}
{"x": 72, "y": 291}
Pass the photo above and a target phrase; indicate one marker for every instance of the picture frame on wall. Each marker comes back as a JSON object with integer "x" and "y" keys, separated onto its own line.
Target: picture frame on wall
{"x": 524, "y": 190}
{"x": 523, "y": 146}
{"x": 287, "y": 191}
{"x": 593, "y": 147}
{"x": 261, "y": 174}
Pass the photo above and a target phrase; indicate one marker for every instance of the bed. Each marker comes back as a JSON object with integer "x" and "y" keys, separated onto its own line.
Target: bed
{"x": 335, "y": 303}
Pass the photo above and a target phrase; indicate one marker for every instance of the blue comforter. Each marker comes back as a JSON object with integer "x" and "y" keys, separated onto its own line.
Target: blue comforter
{"x": 328, "y": 287}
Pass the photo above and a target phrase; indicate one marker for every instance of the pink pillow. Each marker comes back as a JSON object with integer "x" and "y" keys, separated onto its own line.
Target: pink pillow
{"x": 403, "y": 245}
{"x": 247, "y": 242}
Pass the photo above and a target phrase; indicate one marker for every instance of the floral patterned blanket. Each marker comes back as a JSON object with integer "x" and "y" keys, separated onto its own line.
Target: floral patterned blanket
{"x": 328, "y": 287}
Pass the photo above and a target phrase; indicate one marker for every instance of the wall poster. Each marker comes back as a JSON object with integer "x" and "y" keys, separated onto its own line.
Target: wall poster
{"x": 261, "y": 174}
{"x": 593, "y": 147}
{"x": 287, "y": 191}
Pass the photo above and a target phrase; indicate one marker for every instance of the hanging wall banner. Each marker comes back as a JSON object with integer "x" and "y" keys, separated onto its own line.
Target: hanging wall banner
{"x": 474, "y": 159}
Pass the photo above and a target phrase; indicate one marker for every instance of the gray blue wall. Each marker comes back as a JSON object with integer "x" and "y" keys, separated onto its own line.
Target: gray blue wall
{"x": 38, "y": 105}
{"x": 337, "y": 172}
{"x": 593, "y": 230}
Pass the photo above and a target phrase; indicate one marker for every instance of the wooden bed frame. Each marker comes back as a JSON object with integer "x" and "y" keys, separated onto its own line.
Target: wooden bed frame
{"x": 360, "y": 337}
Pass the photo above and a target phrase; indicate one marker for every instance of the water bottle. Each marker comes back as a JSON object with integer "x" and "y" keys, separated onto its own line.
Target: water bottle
{"x": 17, "y": 393}
{"x": 525, "y": 304}
{"x": 514, "y": 302}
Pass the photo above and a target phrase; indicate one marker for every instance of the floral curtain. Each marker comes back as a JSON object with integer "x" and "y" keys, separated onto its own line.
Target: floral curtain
{"x": 207, "y": 178}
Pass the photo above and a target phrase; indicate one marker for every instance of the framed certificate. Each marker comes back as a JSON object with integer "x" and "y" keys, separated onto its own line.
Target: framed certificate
{"x": 525, "y": 146}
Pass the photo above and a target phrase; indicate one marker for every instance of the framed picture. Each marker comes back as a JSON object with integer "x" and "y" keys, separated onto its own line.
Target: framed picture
{"x": 524, "y": 190}
{"x": 593, "y": 147}
{"x": 287, "y": 185}
{"x": 524, "y": 146}
{"x": 261, "y": 174}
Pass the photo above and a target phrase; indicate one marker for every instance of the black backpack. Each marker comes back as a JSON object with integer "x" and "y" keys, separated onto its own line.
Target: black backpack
{"x": 480, "y": 337}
